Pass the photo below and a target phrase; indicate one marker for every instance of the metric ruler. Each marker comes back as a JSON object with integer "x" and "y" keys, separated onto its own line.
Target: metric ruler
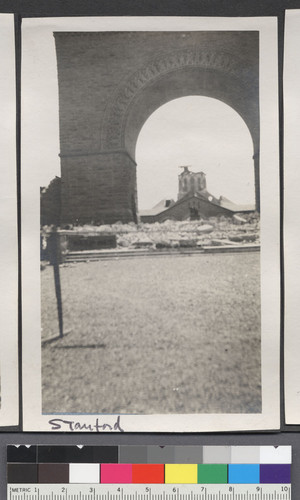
{"x": 149, "y": 492}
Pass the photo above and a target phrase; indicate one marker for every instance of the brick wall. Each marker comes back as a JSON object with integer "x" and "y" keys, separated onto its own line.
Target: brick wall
{"x": 98, "y": 189}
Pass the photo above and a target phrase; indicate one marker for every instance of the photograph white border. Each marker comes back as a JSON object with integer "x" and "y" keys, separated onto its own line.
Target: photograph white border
{"x": 270, "y": 240}
{"x": 9, "y": 409}
{"x": 291, "y": 85}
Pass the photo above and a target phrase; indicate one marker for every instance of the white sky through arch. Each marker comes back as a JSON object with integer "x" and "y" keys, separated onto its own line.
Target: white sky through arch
{"x": 201, "y": 132}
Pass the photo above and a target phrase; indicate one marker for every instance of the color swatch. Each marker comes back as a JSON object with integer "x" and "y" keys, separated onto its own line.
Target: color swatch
{"x": 149, "y": 465}
{"x": 181, "y": 474}
{"x": 212, "y": 474}
{"x": 243, "y": 473}
{"x": 148, "y": 473}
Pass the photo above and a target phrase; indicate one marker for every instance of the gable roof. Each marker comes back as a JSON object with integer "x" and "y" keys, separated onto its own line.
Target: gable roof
{"x": 160, "y": 208}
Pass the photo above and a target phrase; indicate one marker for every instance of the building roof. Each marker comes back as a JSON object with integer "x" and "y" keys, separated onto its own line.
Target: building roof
{"x": 158, "y": 208}
{"x": 225, "y": 203}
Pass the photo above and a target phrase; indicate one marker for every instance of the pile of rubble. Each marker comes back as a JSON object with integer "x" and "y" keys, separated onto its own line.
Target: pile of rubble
{"x": 211, "y": 232}
{"x": 216, "y": 231}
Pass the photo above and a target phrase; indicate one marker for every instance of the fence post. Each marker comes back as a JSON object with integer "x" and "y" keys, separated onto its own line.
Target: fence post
{"x": 55, "y": 259}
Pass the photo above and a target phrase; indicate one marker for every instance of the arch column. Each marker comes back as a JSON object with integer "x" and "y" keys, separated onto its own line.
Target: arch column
{"x": 98, "y": 188}
{"x": 257, "y": 179}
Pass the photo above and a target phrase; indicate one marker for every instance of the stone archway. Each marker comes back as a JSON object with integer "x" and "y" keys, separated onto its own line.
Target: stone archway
{"x": 110, "y": 83}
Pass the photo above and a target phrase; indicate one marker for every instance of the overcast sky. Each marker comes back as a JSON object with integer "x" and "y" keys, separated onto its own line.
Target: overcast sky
{"x": 197, "y": 131}
{"x": 201, "y": 132}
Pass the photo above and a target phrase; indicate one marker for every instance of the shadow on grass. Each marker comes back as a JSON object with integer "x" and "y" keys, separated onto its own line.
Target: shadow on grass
{"x": 54, "y": 339}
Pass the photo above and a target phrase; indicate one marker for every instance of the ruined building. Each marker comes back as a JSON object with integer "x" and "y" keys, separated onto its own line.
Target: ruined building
{"x": 193, "y": 202}
{"x": 190, "y": 182}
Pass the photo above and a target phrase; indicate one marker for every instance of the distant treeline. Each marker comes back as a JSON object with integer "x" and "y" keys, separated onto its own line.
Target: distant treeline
{"x": 51, "y": 203}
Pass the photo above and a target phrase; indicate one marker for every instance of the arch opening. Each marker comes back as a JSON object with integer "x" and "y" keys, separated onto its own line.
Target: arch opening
{"x": 204, "y": 133}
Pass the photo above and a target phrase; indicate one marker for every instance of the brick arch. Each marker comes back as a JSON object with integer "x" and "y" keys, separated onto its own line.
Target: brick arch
{"x": 187, "y": 72}
{"x": 111, "y": 82}
{"x": 188, "y": 81}
{"x": 218, "y": 66}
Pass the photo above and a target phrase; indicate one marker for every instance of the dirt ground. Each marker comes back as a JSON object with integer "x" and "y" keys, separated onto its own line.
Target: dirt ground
{"x": 176, "y": 334}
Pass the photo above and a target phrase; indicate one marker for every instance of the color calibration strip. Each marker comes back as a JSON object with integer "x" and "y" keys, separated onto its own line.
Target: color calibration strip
{"x": 149, "y": 474}
{"x": 148, "y": 465}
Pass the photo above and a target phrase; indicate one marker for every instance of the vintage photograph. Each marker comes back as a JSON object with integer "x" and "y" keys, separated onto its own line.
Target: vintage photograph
{"x": 9, "y": 407}
{"x": 151, "y": 216}
{"x": 291, "y": 231}
{"x": 166, "y": 299}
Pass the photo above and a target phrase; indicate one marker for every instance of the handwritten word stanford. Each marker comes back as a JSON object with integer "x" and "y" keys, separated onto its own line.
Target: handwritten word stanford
{"x": 71, "y": 425}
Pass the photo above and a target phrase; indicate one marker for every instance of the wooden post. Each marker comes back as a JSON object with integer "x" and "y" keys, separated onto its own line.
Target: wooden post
{"x": 54, "y": 256}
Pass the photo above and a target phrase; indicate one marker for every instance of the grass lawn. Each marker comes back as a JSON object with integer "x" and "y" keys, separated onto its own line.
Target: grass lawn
{"x": 155, "y": 335}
